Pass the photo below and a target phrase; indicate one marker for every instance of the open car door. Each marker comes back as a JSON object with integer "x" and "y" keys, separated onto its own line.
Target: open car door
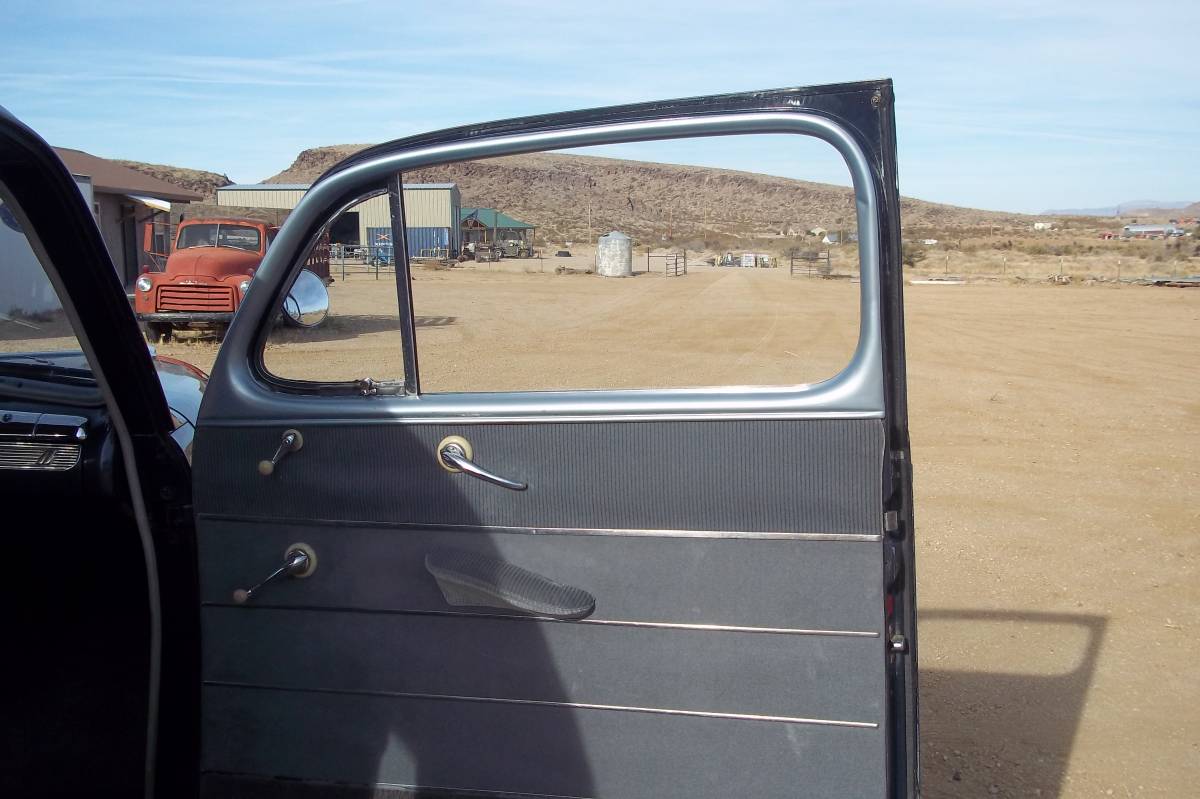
{"x": 101, "y": 645}
{"x": 481, "y": 593}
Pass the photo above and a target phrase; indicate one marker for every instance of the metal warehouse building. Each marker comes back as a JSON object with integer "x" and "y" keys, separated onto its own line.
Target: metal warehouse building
{"x": 431, "y": 214}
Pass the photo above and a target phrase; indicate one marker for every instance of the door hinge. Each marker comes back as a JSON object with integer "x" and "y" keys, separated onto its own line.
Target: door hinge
{"x": 898, "y": 644}
{"x": 891, "y": 522}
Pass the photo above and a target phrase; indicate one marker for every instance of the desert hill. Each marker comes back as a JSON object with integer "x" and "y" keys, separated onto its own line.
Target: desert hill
{"x": 197, "y": 180}
{"x": 557, "y": 192}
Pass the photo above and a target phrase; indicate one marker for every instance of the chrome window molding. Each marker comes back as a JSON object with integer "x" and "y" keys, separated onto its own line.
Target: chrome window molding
{"x": 662, "y": 711}
{"x": 855, "y": 392}
{"x": 486, "y": 529}
{"x": 465, "y": 615}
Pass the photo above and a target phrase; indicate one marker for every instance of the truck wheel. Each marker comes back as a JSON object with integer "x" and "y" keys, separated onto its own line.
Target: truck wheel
{"x": 156, "y": 331}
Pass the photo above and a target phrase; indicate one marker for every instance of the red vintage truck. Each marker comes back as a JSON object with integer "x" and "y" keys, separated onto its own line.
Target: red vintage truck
{"x": 207, "y": 273}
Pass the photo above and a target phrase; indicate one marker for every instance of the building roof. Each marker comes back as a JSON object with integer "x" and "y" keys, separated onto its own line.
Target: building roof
{"x": 109, "y": 177}
{"x": 266, "y": 187}
{"x": 307, "y": 186}
{"x": 491, "y": 218}
{"x": 1147, "y": 228}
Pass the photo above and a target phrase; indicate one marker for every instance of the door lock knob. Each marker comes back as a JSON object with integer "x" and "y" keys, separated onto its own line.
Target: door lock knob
{"x": 291, "y": 442}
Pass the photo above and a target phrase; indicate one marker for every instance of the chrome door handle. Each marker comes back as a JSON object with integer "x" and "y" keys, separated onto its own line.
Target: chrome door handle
{"x": 455, "y": 456}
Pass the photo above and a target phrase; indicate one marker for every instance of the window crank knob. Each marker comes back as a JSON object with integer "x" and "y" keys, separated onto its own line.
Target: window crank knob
{"x": 291, "y": 442}
{"x": 299, "y": 561}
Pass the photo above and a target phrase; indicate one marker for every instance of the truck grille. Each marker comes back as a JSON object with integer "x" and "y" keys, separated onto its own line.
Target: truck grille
{"x": 195, "y": 298}
{"x": 34, "y": 455}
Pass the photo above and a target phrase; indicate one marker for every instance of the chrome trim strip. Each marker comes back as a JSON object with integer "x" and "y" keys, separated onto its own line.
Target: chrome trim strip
{"x": 455, "y": 614}
{"x": 396, "y": 786}
{"x": 724, "y": 628}
{"x": 472, "y": 792}
{"x": 661, "y": 711}
{"x": 368, "y": 417}
{"x": 857, "y": 389}
{"x": 483, "y": 528}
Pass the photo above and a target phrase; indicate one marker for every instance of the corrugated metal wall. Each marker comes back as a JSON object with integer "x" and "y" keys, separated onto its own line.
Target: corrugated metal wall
{"x": 426, "y": 238}
{"x": 260, "y": 198}
{"x": 423, "y": 209}
{"x": 372, "y": 213}
{"x": 418, "y": 238}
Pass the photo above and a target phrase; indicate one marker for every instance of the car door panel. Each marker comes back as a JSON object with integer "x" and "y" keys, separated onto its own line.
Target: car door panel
{"x": 636, "y": 578}
{"x": 710, "y": 646}
{"x": 796, "y": 674}
{"x": 533, "y": 750}
{"x": 748, "y": 590}
{"x": 816, "y": 476}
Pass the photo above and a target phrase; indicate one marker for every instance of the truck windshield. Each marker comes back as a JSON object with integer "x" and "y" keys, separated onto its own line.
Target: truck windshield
{"x": 242, "y": 237}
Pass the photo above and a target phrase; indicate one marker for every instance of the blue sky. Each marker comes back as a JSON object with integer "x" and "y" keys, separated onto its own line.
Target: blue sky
{"x": 1018, "y": 106}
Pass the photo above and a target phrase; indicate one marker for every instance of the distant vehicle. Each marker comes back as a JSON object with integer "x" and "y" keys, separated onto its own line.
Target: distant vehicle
{"x": 747, "y": 259}
{"x": 207, "y": 274}
{"x": 516, "y": 248}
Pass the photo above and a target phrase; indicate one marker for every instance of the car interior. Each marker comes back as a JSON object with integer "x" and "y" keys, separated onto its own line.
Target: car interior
{"x": 79, "y": 641}
{"x": 79, "y": 594}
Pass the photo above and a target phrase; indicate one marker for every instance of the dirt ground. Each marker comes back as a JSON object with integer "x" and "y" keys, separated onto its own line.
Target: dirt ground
{"x": 1055, "y": 439}
{"x": 1055, "y": 434}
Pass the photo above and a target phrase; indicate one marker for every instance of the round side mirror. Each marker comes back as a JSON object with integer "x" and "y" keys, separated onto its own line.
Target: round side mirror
{"x": 307, "y": 304}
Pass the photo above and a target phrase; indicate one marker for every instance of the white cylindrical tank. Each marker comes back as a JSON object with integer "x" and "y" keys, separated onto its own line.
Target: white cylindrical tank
{"x": 614, "y": 255}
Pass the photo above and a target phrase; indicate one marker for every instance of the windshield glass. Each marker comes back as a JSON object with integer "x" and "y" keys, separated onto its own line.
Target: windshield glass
{"x": 35, "y": 334}
{"x": 242, "y": 237}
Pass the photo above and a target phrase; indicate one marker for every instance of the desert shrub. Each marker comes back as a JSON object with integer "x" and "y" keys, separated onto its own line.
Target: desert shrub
{"x": 913, "y": 254}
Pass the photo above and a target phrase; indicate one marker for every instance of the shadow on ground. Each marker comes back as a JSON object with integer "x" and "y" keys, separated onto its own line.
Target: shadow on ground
{"x": 1006, "y": 723}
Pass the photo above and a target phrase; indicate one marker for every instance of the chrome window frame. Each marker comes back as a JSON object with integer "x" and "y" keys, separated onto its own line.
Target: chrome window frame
{"x": 857, "y": 391}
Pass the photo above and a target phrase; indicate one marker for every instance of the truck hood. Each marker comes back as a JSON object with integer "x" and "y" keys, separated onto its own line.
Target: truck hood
{"x": 216, "y": 262}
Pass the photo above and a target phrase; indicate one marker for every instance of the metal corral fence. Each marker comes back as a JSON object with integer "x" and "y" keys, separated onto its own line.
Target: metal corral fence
{"x": 674, "y": 263}
{"x": 358, "y": 259}
{"x": 811, "y": 264}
